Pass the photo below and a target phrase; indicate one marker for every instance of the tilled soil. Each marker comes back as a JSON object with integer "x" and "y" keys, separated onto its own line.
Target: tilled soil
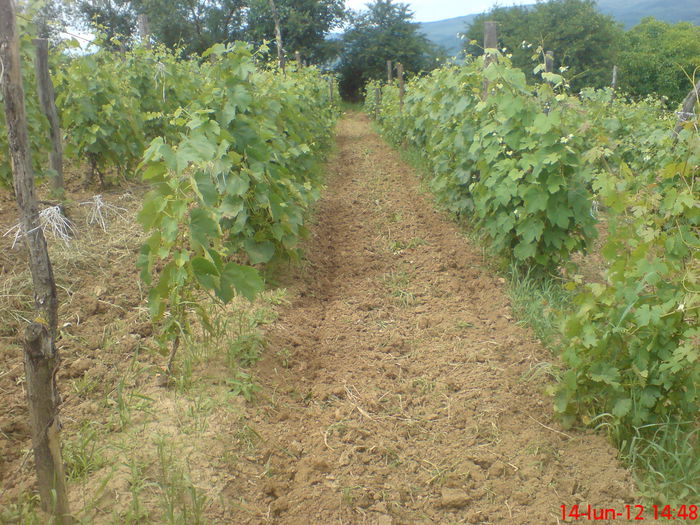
{"x": 411, "y": 394}
{"x": 396, "y": 387}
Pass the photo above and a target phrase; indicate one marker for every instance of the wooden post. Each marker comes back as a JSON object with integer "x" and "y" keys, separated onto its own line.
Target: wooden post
{"x": 377, "y": 102}
{"x": 614, "y": 78}
{"x": 40, "y": 355}
{"x": 402, "y": 88}
{"x": 549, "y": 62}
{"x": 687, "y": 110}
{"x": 278, "y": 35}
{"x": 490, "y": 42}
{"x": 297, "y": 57}
{"x": 388, "y": 71}
{"x": 144, "y": 30}
{"x": 330, "y": 88}
{"x": 48, "y": 105}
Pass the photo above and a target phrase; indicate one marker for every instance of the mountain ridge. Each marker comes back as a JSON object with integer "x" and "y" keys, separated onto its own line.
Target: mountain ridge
{"x": 628, "y": 12}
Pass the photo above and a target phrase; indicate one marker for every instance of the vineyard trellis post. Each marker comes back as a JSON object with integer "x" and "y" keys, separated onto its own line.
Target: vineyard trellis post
{"x": 144, "y": 29}
{"x": 377, "y": 102}
{"x": 47, "y": 99}
{"x": 402, "y": 87}
{"x": 40, "y": 354}
{"x": 549, "y": 62}
{"x": 490, "y": 42}
{"x": 687, "y": 109}
{"x": 388, "y": 71}
{"x": 278, "y": 35}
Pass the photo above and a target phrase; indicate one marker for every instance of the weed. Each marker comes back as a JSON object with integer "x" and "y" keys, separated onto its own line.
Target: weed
{"x": 123, "y": 408}
{"x": 138, "y": 481}
{"x": 396, "y": 216}
{"x": 83, "y": 455}
{"x": 348, "y": 496}
{"x": 126, "y": 402}
{"x": 242, "y": 384}
{"x": 84, "y": 386}
{"x": 182, "y": 502}
{"x": 276, "y": 297}
{"x": 285, "y": 356}
{"x": 245, "y": 350}
{"x": 197, "y": 413}
{"x": 538, "y": 301}
{"x": 425, "y": 386}
{"x": 248, "y": 437}
{"x": 24, "y": 512}
{"x": 666, "y": 460}
{"x": 184, "y": 379}
{"x": 398, "y": 283}
{"x": 396, "y": 247}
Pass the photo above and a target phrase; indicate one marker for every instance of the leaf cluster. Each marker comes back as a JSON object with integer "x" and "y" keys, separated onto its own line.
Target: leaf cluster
{"x": 231, "y": 187}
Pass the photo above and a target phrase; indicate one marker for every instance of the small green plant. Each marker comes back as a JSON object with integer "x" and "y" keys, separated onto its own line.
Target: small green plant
{"x": 85, "y": 385}
{"x": 243, "y": 384}
{"x": 245, "y": 350}
{"x": 25, "y": 511}
{"x": 665, "y": 458}
{"x": 398, "y": 283}
{"x": 197, "y": 415}
{"x": 539, "y": 301}
{"x": 182, "y": 502}
{"x": 83, "y": 454}
{"x": 126, "y": 401}
{"x": 248, "y": 436}
{"x": 138, "y": 482}
{"x": 396, "y": 247}
{"x": 285, "y": 355}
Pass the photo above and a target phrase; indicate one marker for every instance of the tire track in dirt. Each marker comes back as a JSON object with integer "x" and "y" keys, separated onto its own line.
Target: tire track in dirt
{"x": 397, "y": 389}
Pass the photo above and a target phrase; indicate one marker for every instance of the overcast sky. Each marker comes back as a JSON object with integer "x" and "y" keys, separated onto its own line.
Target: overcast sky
{"x": 429, "y": 10}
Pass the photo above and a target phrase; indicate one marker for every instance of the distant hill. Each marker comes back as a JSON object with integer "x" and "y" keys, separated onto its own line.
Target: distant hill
{"x": 444, "y": 32}
{"x": 631, "y": 12}
{"x": 628, "y": 12}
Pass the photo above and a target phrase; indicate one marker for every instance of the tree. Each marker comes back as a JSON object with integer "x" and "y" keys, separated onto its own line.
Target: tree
{"x": 582, "y": 38}
{"x": 194, "y": 25}
{"x": 305, "y": 25}
{"x": 383, "y": 32}
{"x": 112, "y": 18}
{"x": 660, "y": 58}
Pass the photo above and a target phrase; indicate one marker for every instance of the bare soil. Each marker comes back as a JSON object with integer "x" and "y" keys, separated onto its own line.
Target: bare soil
{"x": 396, "y": 386}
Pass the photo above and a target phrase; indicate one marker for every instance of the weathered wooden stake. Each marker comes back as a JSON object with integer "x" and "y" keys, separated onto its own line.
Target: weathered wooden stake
{"x": 48, "y": 105}
{"x": 490, "y": 42}
{"x": 377, "y": 102}
{"x": 388, "y": 71}
{"x": 402, "y": 87}
{"x": 614, "y": 78}
{"x": 40, "y": 354}
{"x": 144, "y": 30}
{"x": 278, "y": 35}
{"x": 549, "y": 62}
{"x": 330, "y": 88}
{"x": 297, "y": 57}
{"x": 687, "y": 110}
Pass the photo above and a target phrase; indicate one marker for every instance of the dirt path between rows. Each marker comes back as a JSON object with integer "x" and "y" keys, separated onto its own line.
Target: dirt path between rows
{"x": 409, "y": 395}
